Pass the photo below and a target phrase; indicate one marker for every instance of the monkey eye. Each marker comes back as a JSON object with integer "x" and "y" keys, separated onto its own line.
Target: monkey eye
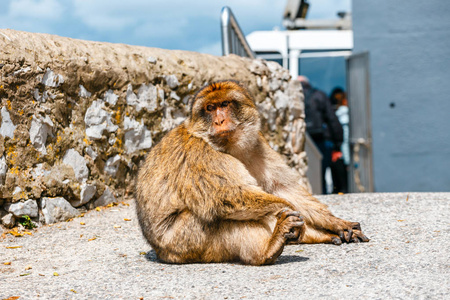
{"x": 225, "y": 103}
{"x": 210, "y": 107}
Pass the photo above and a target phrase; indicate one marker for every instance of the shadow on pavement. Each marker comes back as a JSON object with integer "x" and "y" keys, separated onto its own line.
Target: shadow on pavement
{"x": 283, "y": 259}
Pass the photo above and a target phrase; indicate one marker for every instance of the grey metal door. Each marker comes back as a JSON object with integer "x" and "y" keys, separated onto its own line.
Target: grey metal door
{"x": 358, "y": 88}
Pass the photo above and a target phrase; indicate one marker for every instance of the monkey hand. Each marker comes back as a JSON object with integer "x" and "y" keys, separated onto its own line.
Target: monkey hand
{"x": 291, "y": 225}
{"x": 350, "y": 233}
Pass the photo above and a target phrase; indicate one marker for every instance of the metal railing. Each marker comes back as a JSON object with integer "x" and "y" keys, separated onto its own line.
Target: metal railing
{"x": 233, "y": 40}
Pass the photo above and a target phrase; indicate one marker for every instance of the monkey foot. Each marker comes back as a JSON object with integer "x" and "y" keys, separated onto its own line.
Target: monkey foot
{"x": 291, "y": 225}
{"x": 351, "y": 234}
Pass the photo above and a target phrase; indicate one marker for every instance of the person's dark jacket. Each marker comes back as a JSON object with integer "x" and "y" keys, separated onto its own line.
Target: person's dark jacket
{"x": 321, "y": 121}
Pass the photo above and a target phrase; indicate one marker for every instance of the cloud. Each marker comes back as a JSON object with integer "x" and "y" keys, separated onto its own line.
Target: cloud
{"x": 31, "y": 15}
{"x": 35, "y": 9}
{"x": 108, "y": 16}
{"x": 165, "y": 28}
{"x": 174, "y": 24}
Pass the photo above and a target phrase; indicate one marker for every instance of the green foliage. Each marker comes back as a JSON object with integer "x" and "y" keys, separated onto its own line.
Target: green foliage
{"x": 26, "y": 222}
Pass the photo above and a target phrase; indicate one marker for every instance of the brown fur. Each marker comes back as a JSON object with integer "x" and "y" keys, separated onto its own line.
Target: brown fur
{"x": 214, "y": 191}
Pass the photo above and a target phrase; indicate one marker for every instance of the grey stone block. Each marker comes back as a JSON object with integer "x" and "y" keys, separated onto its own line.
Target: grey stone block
{"x": 57, "y": 210}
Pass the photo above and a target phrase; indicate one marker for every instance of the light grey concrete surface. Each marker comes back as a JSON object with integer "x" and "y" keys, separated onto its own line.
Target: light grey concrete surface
{"x": 406, "y": 258}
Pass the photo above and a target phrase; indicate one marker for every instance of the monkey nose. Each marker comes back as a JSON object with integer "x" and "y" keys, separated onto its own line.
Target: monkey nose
{"x": 219, "y": 122}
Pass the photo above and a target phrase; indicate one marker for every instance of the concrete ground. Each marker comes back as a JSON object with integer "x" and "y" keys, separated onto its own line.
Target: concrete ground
{"x": 104, "y": 256}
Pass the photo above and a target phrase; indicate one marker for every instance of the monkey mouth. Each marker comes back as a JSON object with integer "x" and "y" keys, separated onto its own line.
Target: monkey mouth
{"x": 224, "y": 133}
{"x": 223, "y": 138}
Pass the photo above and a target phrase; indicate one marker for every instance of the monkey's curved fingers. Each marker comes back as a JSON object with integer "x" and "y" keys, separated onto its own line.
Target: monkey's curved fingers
{"x": 357, "y": 234}
{"x": 296, "y": 226}
{"x": 356, "y": 225}
{"x": 290, "y": 235}
{"x": 281, "y": 212}
{"x": 296, "y": 229}
{"x": 354, "y": 239}
{"x": 349, "y": 236}
{"x": 341, "y": 235}
{"x": 286, "y": 213}
{"x": 336, "y": 241}
{"x": 299, "y": 224}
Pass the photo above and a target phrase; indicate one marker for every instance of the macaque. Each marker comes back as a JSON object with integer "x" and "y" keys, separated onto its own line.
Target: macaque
{"x": 212, "y": 190}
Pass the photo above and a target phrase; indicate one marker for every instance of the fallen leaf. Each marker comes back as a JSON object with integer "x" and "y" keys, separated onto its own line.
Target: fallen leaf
{"x": 299, "y": 251}
{"x": 91, "y": 239}
{"x": 82, "y": 215}
{"x": 15, "y": 233}
{"x": 25, "y": 274}
{"x": 14, "y": 247}
{"x": 127, "y": 219}
{"x": 55, "y": 274}
{"x": 27, "y": 233}
{"x": 82, "y": 223}
{"x": 98, "y": 209}
{"x": 142, "y": 253}
{"x": 12, "y": 298}
{"x": 400, "y": 220}
{"x": 8, "y": 263}
{"x": 117, "y": 226}
{"x": 72, "y": 290}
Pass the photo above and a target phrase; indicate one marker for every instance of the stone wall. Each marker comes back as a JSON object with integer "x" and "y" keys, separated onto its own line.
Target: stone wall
{"x": 77, "y": 117}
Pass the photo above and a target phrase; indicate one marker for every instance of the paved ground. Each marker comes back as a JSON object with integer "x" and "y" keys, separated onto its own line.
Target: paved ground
{"x": 408, "y": 257}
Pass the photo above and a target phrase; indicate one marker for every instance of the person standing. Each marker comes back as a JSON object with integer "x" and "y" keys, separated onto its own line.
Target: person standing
{"x": 321, "y": 124}
{"x": 341, "y": 160}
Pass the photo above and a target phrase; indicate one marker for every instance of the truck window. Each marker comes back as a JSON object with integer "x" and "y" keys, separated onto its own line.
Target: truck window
{"x": 324, "y": 73}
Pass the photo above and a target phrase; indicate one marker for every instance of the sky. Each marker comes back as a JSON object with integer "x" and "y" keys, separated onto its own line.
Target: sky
{"x": 168, "y": 24}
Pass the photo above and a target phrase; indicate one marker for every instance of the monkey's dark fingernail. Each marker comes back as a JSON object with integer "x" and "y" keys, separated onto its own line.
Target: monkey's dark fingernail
{"x": 341, "y": 235}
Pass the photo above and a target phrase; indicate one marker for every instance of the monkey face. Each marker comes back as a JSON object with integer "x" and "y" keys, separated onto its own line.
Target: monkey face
{"x": 221, "y": 115}
{"x": 224, "y": 114}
